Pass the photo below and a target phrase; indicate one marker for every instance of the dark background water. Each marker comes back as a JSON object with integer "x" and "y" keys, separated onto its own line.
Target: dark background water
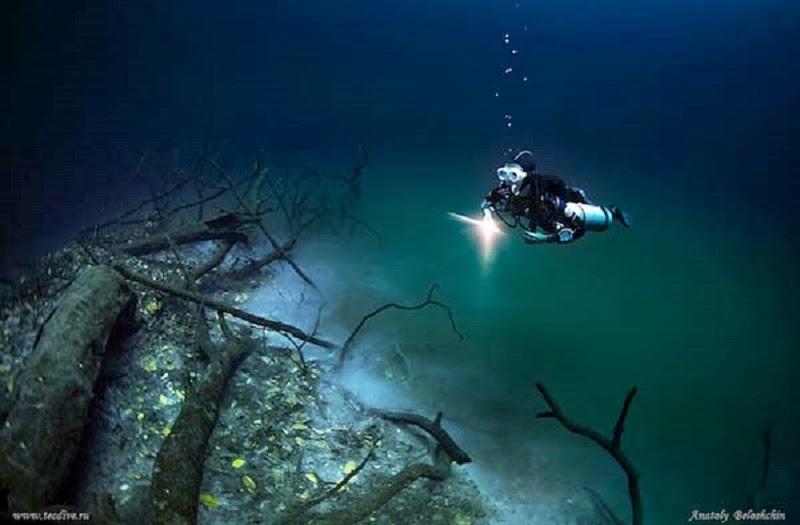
{"x": 687, "y": 113}
{"x": 698, "y": 98}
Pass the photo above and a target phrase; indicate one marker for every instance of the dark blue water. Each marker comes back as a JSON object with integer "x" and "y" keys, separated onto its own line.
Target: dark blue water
{"x": 687, "y": 113}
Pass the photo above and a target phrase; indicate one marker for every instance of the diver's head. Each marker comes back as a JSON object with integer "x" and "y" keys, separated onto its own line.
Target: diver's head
{"x": 511, "y": 173}
{"x": 525, "y": 161}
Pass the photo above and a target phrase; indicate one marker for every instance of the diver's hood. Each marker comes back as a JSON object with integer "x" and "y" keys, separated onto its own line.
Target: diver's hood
{"x": 526, "y": 161}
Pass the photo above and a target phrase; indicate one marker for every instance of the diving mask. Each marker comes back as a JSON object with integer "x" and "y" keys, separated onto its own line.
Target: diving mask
{"x": 511, "y": 172}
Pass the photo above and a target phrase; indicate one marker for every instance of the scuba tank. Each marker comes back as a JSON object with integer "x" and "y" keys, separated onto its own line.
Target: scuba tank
{"x": 593, "y": 218}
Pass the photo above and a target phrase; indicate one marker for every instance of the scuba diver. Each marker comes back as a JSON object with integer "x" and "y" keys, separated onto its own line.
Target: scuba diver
{"x": 554, "y": 212}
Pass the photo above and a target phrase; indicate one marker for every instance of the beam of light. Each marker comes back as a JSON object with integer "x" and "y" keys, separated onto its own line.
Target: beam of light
{"x": 463, "y": 218}
{"x": 488, "y": 234}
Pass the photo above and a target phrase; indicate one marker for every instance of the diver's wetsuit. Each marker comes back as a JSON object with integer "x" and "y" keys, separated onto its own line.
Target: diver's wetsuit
{"x": 554, "y": 212}
{"x": 540, "y": 200}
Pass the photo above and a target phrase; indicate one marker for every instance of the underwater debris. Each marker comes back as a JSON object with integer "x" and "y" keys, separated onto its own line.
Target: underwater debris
{"x": 434, "y": 428}
{"x": 229, "y": 227}
{"x": 429, "y": 301}
{"x": 221, "y": 307}
{"x": 612, "y": 446}
{"x": 41, "y": 433}
{"x": 259, "y": 223}
{"x": 283, "y": 436}
{"x": 178, "y": 469}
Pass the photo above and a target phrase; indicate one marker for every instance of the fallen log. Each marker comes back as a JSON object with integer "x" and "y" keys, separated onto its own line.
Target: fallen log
{"x": 178, "y": 469}
{"x": 42, "y": 431}
{"x": 226, "y": 227}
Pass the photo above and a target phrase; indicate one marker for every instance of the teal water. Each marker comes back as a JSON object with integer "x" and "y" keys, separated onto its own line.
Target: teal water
{"x": 691, "y": 306}
{"x": 684, "y": 113}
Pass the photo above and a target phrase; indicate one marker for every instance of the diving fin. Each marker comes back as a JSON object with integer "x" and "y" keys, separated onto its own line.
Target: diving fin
{"x": 620, "y": 216}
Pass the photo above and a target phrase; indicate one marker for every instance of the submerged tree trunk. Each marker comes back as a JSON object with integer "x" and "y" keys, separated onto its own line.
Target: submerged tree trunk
{"x": 178, "y": 470}
{"x": 41, "y": 434}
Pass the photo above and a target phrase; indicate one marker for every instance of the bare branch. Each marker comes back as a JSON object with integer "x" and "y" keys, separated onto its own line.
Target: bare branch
{"x": 216, "y": 259}
{"x": 275, "y": 246}
{"x": 222, "y": 307}
{"x": 355, "y": 178}
{"x": 619, "y": 428}
{"x": 293, "y": 515}
{"x": 434, "y": 428}
{"x": 610, "y": 446}
{"x": 766, "y": 440}
{"x": 252, "y": 267}
{"x": 428, "y": 301}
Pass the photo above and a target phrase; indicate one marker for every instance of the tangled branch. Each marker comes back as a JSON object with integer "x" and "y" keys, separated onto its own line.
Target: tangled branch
{"x": 429, "y": 301}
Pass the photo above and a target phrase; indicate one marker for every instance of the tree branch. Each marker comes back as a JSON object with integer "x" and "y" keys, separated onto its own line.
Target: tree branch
{"x": 619, "y": 428}
{"x": 766, "y": 440}
{"x": 275, "y": 246}
{"x": 216, "y": 259}
{"x": 612, "y": 446}
{"x": 428, "y": 301}
{"x": 226, "y": 227}
{"x": 434, "y": 428}
{"x": 222, "y": 307}
{"x": 294, "y": 515}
